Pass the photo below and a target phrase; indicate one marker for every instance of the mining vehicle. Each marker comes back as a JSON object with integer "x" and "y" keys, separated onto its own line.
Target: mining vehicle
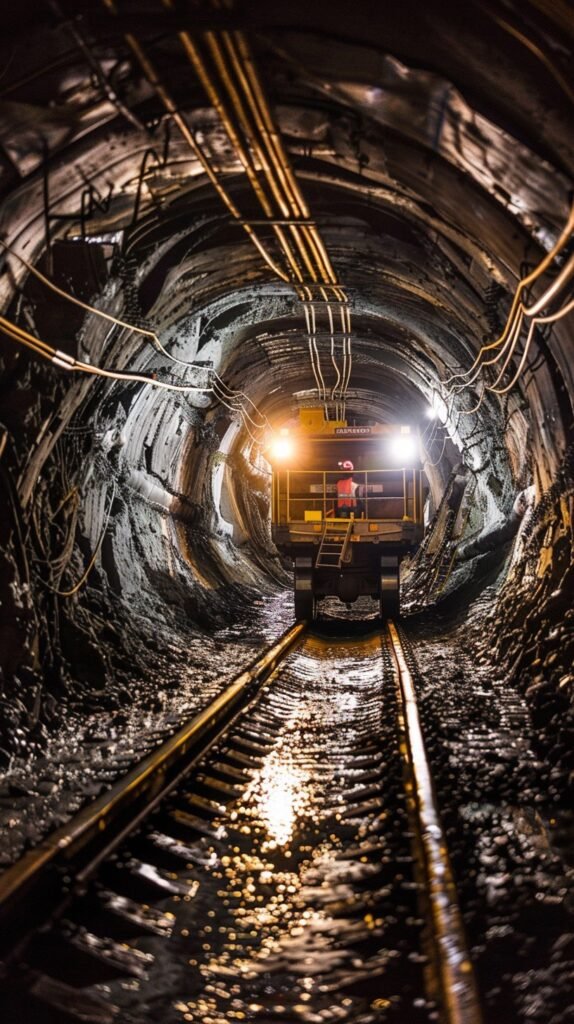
{"x": 347, "y": 506}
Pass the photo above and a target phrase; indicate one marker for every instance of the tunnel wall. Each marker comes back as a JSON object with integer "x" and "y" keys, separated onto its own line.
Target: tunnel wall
{"x": 436, "y": 185}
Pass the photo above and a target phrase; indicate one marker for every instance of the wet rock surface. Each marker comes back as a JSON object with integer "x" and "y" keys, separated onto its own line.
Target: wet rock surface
{"x": 137, "y": 573}
{"x": 533, "y": 627}
{"x": 286, "y": 867}
{"x": 509, "y": 832}
{"x": 97, "y": 737}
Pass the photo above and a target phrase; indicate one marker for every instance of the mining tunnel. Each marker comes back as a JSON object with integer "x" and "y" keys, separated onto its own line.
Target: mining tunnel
{"x": 218, "y": 218}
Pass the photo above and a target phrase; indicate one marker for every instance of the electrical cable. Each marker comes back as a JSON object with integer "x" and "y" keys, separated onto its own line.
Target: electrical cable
{"x": 524, "y": 283}
{"x": 512, "y": 341}
{"x": 173, "y": 110}
{"x": 551, "y": 318}
{"x": 226, "y": 69}
{"x": 346, "y": 320}
{"x": 563, "y": 277}
{"x": 333, "y": 360}
{"x": 124, "y": 323}
{"x": 66, "y": 362}
{"x": 534, "y": 322}
{"x": 244, "y": 415}
{"x": 231, "y": 408}
{"x": 539, "y": 53}
{"x": 342, "y": 391}
{"x": 475, "y": 408}
{"x": 521, "y": 312}
{"x": 236, "y": 392}
{"x": 91, "y": 563}
{"x": 508, "y": 347}
{"x": 434, "y": 464}
{"x": 85, "y": 305}
{"x": 313, "y": 350}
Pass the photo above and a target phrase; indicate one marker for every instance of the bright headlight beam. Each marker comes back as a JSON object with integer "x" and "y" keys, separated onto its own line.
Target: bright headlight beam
{"x": 281, "y": 448}
{"x": 403, "y": 449}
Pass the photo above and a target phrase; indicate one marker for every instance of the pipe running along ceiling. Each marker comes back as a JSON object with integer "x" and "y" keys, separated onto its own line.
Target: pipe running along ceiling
{"x": 214, "y": 213}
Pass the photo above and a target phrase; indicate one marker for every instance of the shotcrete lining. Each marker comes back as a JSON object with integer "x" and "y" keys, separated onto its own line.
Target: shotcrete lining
{"x": 423, "y": 202}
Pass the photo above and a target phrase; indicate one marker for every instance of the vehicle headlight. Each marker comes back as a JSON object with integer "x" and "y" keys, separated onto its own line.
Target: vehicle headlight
{"x": 403, "y": 449}
{"x": 281, "y": 449}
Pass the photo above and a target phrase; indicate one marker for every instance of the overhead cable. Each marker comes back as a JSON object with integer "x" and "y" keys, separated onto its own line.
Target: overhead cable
{"x": 524, "y": 283}
{"x": 224, "y": 64}
{"x": 67, "y": 362}
{"x": 118, "y": 321}
{"x": 92, "y": 562}
{"x": 181, "y": 123}
{"x": 334, "y": 389}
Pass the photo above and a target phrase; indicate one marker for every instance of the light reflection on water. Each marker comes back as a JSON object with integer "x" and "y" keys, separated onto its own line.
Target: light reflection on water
{"x": 281, "y": 795}
{"x": 286, "y": 927}
{"x": 284, "y": 951}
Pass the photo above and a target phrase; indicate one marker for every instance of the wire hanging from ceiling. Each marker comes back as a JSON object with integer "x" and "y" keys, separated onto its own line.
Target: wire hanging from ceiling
{"x": 523, "y": 314}
{"x": 506, "y": 344}
{"x": 229, "y": 393}
{"x": 225, "y": 66}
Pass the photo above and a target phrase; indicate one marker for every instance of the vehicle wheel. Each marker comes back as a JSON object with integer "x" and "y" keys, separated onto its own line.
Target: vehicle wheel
{"x": 389, "y": 605}
{"x": 305, "y": 605}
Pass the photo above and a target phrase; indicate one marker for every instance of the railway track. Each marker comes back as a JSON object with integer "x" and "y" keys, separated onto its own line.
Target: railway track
{"x": 280, "y": 859}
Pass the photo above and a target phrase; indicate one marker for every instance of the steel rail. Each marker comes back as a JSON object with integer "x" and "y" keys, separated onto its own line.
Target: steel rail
{"x": 48, "y": 875}
{"x": 456, "y": 982}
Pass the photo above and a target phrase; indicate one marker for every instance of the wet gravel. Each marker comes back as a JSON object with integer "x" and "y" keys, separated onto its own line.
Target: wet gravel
{"x": 287, "y": 875}
{"x": 101, "y": 735}
{"x": 509, "y": 837}
{"x": 509, "y": 833}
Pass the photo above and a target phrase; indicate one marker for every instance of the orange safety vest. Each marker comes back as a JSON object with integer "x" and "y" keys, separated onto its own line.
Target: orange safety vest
{"x": 346, "y": 493}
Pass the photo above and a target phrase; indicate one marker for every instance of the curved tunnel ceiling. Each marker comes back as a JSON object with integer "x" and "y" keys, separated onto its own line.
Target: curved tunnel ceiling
{"x": 434, "y": 149}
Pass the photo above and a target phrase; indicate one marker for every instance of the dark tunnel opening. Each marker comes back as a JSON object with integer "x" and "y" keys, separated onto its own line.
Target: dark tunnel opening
{"x": 216, "y": 220}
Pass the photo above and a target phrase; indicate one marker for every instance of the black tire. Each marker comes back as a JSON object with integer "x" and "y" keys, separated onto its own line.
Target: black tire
{"x": 305, "y": 605}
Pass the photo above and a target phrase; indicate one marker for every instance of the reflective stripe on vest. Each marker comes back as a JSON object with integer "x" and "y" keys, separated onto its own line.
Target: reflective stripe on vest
{"x": 346, "y": 493}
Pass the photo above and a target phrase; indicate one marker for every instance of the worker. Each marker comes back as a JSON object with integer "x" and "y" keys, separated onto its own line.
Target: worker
{"x": 346, "y": 492}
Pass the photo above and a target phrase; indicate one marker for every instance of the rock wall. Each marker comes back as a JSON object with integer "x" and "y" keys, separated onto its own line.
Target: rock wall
{"x": 534, "y": 622}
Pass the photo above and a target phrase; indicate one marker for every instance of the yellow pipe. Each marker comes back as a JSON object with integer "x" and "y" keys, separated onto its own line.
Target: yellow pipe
{"x": 267, "y": 126}
{"x": 275, "y": 144}
{"x": 288, "y": 209}
{"x": 170, "y": 106}
{"x": 276, "y": 166}
{"x": 263, "y": 144}
{"x": 269, "y": 167}
{"x": 200, "y": 69}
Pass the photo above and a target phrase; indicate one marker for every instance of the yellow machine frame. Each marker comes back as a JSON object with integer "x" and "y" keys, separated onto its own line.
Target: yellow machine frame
{"x": 356, "y": 554}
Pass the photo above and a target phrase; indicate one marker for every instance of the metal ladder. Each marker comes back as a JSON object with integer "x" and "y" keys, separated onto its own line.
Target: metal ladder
{"x": 333, "y": 545}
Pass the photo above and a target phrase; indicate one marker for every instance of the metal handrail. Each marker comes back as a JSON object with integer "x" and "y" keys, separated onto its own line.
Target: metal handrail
{"x": 408, "y": 492}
